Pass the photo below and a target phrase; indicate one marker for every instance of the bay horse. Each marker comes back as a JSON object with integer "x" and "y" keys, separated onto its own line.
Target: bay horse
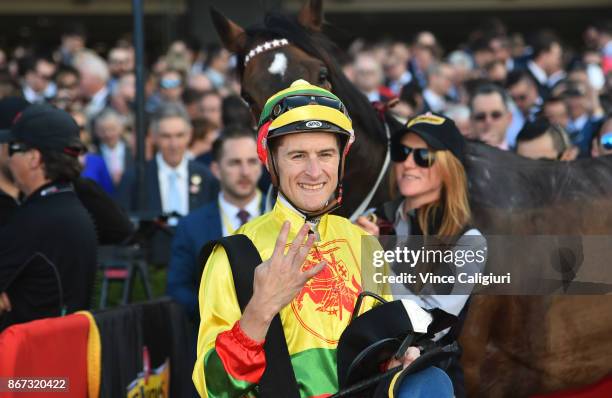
{"x": 514, "y": 346}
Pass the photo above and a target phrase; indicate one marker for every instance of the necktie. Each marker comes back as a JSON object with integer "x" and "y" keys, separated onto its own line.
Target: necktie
{"x": 173, "y": 194}
{"x": 243, "y": 216}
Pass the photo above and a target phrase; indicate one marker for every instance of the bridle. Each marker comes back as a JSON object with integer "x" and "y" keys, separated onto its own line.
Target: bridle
{"x": 278, "y": 43}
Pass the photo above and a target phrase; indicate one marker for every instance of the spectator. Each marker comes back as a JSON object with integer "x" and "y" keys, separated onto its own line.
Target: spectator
{"x": 94, "y": 167}
{"x": 73, "y": 42}
{"x": 500, "y": 45}
{"x": 67, "y": 81}
{"x": 110, "y": 130}
{"x": 410, "y": 102}
{"x": 199, "y": 82}
{"x": 460, "y": 114}
{"x": 120, "y": 63}
{"x": 237, "y": 167}
{"x": 94, "y": 82}
{"x": 123, "y": 96}
{"x": 169, "y": 90}
{"x": 204, "y": 134}
{"x": 524, "y": 93}
{"x": 396, "y": 68}
{"x": 235, "y": 111}
{"x": 491, "y": 115}
{"x": 171, "y": 86}
{"x": 210, "y": 108}
{"x": 48, "y": 252}
{"x": 369, "y": 78}
{"x": 439, "y": 84}
{"x": 37, "y": 73}
{"x": 602, "y": 142}
{"x": 217, "y": 65}
{"x": 8, "y": 86}
{"x": 173, "y": 184}
{"x": 604, "y": 43}
{"x": 556, "y": 111}
{"x": 546, "y": 64}
{"x": 423, "y": 56}
{"x": 582, "y": 125}
{"x": 191, "y": 99}
{"x": 496, "y": 72}
{"x": 482, "y": 53}
{"x": 541, "y": 140}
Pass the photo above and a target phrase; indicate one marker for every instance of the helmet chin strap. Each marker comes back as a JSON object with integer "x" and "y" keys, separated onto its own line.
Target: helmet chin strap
{"x": 329, "y": 206}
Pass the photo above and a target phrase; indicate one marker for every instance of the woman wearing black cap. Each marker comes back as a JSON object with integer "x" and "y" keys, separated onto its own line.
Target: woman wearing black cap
{"x": 430, "y": 185}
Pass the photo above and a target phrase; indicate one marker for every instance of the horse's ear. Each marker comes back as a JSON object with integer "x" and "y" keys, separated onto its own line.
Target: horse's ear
{"x": 232, "y": 35}
{"x": 311, "y": 15}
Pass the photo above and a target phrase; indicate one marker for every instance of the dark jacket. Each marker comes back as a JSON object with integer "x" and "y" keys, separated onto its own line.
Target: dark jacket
{"x": 208, "y": 188}
{"x": 47, "y": 256}
{"x": 192, "y": 232}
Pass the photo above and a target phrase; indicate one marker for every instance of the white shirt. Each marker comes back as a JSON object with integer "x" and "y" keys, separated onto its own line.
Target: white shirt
{"x": 114, "y": 158}
{"x": 578, "y": 124}
{"x": 436, "y": 102}
{"x": 373, "y": 96}
{"x": 97, "y": 102}
{"x": 229, "y": 213}
{"x": 538, "y": 73}
{"x": 164, "y": 172}
{"x": 396, "y": 85}
{"x": 38, "y": 98}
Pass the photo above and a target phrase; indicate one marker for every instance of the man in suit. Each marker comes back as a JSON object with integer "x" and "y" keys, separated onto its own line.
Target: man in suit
{"x": 583, "y": 125}
{"x": 173, "y": 184}
{"x": 236, "y": 165}
{"x": 546, "y": 65}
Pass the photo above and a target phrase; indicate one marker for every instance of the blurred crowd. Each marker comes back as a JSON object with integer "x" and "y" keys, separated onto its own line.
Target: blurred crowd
{"x": 528, "y": 93}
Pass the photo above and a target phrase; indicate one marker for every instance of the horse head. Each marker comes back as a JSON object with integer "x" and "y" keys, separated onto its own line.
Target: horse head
{"x": 283, "y": 49}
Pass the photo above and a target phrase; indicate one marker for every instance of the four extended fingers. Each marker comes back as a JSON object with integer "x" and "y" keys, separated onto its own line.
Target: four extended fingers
{"x": 297, "y": 253}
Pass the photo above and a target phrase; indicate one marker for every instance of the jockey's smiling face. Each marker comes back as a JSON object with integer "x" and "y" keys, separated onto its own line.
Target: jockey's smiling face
{"x": 307, "y": 166}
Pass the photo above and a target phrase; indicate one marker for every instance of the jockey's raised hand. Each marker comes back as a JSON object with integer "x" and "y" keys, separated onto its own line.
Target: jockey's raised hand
{"x": 277, "y": 281}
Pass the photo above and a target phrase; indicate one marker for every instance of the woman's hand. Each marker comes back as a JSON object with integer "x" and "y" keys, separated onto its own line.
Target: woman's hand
{"x": 409, "y": 356}
{"x": 369, "y": 226}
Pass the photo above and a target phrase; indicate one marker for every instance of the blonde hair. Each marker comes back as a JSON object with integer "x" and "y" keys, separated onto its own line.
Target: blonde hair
{"x": 454, "y": 197}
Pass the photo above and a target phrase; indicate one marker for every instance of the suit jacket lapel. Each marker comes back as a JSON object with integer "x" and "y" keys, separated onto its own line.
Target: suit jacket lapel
{"x": 215, "y": 220}
{"x": 195, "y": 184}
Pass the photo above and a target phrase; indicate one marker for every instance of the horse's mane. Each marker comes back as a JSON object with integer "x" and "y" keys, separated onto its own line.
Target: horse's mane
{"x": 277, "y": 25}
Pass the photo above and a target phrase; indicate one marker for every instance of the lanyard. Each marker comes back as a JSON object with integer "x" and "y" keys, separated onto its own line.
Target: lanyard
{"x": 226, "y": 220}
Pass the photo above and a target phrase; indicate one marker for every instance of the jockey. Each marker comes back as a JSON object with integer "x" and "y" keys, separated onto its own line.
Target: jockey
{"x": 304, "y": 136}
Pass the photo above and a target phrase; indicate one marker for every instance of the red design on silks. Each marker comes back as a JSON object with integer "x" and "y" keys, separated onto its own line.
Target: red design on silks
{"x": 334, "y": 290}
{"x": 242, "y": 357}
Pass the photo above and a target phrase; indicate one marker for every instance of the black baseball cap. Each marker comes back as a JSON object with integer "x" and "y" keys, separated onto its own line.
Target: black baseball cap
{"x": 45, "y": 127}
{"x": 438, "y": 131}
{"x": 10, "y": 107}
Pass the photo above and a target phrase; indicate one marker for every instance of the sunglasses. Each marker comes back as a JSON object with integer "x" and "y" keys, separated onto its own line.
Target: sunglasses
{"x": 482, "y": 116}
{"x": 423, "y": 157}
{"x": 291, "y": 102}
{"x": 15, "y": 147}
{"x": 606, "y": 140}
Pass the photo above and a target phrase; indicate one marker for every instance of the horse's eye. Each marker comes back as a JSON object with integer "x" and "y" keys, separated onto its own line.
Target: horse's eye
{"x": 249, "y": 100}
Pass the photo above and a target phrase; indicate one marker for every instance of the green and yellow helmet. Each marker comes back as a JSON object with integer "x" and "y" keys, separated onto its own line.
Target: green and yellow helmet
{"x": 303, "y": 108}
